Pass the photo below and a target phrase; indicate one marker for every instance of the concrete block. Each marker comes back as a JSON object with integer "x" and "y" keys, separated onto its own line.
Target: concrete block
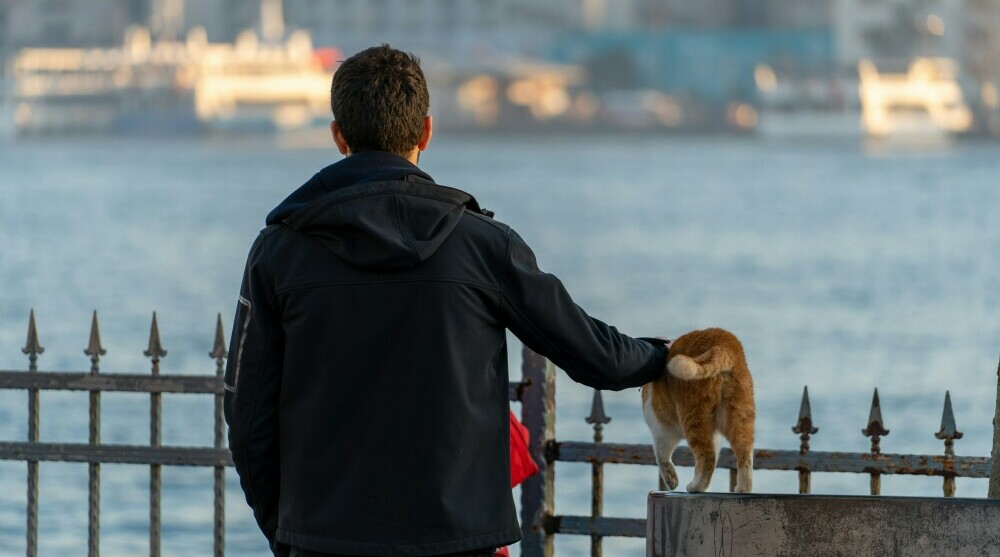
{"x": 735, "y": 525}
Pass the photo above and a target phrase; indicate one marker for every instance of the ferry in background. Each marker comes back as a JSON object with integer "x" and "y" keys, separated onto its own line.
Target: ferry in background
{"x": 272, "y": 82}
{"x": 924, "y": 104}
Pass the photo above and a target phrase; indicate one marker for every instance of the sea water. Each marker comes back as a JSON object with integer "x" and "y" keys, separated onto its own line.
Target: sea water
{"x": 843, "y": 267}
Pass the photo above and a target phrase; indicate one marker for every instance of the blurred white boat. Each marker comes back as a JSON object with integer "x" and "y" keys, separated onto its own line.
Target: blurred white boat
{"x": 175, "y": 86}
{"x": 925, "y": 103}
{"x": 261, "y": 84}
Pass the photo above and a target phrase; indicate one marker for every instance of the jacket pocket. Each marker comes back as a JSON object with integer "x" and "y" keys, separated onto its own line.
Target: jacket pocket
{"x": 243, "y": 313}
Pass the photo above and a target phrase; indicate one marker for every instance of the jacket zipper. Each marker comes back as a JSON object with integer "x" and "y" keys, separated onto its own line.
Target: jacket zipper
{"x": 239, "y": 349}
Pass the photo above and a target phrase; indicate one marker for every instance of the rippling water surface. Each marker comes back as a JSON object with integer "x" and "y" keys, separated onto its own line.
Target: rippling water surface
{"x": 841, "y": 268}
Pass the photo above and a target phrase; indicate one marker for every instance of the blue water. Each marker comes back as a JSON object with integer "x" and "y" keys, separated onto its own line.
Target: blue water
{"x": 841, "y": 267}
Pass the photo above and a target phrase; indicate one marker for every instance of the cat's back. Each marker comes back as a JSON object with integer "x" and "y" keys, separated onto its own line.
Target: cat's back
{"x": 672, "y": 397}
{"x": 733, "y": 381}
{"x": 696, "y": 343}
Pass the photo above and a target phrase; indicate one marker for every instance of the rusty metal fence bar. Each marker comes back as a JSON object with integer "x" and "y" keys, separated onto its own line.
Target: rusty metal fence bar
{"x": 219, "y": 354}
{"x": 764, "y": 459}
{"x": 597, "y": 419}
{"x": 154, "y": 352}
{"x": 32, "y": 348}
{"x": 95, "y": 351}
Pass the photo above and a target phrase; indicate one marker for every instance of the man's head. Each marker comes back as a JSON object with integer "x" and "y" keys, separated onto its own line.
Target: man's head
{"x": 379, "y": 99}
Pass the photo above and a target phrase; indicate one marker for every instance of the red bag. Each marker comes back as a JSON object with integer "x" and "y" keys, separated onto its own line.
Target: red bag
{"x": 522, "y": 466}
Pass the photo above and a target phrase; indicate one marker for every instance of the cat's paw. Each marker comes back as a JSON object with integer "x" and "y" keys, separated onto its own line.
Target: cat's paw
{"x": 743, "y": 489}
{"x": 696, "y": 487}
{"x": 669, "y": 478}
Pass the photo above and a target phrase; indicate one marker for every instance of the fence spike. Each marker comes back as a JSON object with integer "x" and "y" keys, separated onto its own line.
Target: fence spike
{"x": 876, "y": 428}
{"x": 805, "y": 423}
{"x": 219, "y": 349}
{"x": 804, "y": 427}
{"x": 948, "y": 431}
{"x": 31, "y": 346}
{"x": 155, "y": 349}
{"x": 94, "y": 348}
{"x": 597, "y": 415}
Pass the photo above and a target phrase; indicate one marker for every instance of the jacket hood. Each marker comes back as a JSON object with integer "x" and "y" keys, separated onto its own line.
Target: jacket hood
{"x": 376, "y": 211}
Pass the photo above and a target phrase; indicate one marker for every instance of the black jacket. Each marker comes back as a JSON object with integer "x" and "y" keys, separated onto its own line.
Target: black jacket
{"x": 366, "y": 388}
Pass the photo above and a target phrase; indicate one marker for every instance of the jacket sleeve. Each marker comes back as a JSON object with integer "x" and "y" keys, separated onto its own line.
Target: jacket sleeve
{"x": 252, "y": 386}
{"x": 537, "y": 308}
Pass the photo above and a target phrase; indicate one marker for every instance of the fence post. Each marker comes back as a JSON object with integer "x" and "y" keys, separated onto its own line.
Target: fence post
{"x": 95, "y": 351}
{"x": 154, "y": 352}
{"x": 804, "y": 427}
{"x": 994, "y": 492}
{"x": 949, "y": 432}
{"x": 538, "y": 412}
{"x": 32, "y": 348}
{"x": 219, "y": 354}
{"x": 876, "y": 430}
{"x": 597, "y": 418}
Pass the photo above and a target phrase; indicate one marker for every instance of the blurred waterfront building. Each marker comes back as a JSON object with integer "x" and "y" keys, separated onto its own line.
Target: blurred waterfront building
{"x": 980, "y": 56}
{"x": 104, "y": 23}
{"x": 892, "y": 32}
{"x": 63, "y": 23}
{"x": 460, "y": 30}
{"x": 707, "y": 59}
{"x": 735, "y": 13}
{"x": 434, "y": 27}
{"x": 704, "y": 51}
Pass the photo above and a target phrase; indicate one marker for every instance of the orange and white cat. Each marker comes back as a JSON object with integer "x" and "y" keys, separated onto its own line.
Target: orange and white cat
{"x": 705, "y": 393}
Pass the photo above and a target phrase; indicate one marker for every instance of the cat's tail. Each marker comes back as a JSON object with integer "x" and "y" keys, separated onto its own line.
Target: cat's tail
{"x": 710, "y": 363}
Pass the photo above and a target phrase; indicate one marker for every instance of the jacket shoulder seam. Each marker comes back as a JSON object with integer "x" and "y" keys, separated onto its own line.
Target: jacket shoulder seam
{"x": 498, "y": 225}
{"x": 270, "y": 229}
{"x": 472, "y": 284}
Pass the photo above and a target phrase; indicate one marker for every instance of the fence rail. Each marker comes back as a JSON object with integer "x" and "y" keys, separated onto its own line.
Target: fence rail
{"x": 536, "y": 392}
{"x": 765, "y": 459}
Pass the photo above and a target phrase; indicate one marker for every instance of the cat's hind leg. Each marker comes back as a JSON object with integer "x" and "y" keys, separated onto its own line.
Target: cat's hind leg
{"x": 665, "y": 440}
{"x": 705, "y": 447}
{"x": 743, "y": 452}
{"x": 740, "y": 433}
{"x": 663, "y": 447}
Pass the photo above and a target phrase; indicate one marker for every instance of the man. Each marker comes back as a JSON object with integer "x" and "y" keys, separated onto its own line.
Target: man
{"x": 366, "y": 390}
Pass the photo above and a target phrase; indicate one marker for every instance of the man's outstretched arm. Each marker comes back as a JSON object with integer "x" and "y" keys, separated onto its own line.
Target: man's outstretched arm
{"x": 252, "y": 385}
{"x": 539, "y": 311}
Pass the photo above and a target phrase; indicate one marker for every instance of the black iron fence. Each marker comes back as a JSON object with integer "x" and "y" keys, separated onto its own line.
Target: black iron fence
{"x": 536, "y": 392}
{"x": 94, "y": 453}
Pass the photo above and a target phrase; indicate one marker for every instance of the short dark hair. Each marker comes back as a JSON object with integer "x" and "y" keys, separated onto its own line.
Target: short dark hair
{"x": 379, "y": 99}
